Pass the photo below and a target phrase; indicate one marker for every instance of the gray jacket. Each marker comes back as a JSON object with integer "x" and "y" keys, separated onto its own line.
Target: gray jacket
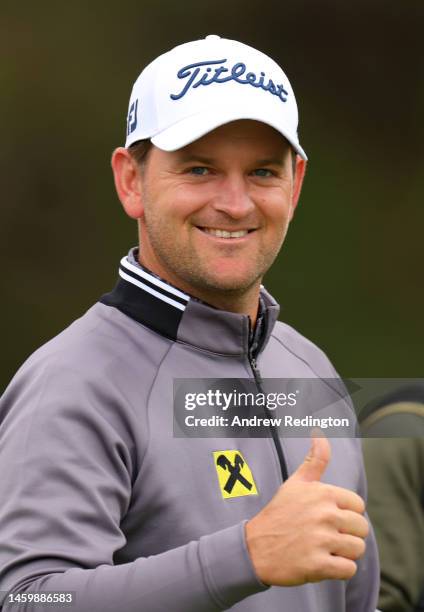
{"x": 99, "y": 498}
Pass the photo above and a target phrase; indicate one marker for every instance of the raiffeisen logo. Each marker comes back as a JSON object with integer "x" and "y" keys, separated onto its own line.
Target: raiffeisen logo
{"x": 203, "y": 73}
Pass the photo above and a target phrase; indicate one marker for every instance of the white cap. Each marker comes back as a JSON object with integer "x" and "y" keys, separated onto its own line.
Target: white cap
{"x": 198, "y": 86}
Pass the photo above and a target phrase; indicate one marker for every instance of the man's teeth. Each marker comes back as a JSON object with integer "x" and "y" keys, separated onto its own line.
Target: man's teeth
{"x": 224, "y": 234}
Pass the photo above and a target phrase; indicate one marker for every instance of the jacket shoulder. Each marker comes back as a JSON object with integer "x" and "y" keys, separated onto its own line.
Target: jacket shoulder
{"x": 303, "y": 349}
{"x": 103, "y": 354}
{"x": 100, "y": 338}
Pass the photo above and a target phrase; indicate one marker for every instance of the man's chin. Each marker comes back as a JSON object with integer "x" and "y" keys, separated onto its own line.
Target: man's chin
{"x": 229, "y": 286}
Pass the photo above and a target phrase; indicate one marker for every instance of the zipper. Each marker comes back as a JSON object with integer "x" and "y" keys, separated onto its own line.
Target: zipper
{"x": 274, "y": 432}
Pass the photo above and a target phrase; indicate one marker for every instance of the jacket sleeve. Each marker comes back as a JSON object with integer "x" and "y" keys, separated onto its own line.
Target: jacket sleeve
{"x": 362, "y": 590}
{"x": 65, "y": 485}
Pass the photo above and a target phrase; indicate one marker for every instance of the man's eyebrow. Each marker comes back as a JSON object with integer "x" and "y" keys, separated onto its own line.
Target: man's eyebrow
{"x": 191, "y": 157}
{"x": 270, "y": 161}
{"x": 208, "y": 161}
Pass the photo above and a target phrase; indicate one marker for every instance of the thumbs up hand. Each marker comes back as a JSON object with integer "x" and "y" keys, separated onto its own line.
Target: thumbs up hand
{"x": 315, "y": 462}
{"x": 309, "y": 531}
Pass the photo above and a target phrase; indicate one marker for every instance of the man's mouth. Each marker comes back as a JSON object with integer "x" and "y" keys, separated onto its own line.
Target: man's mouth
{"x": 220, "y": 233}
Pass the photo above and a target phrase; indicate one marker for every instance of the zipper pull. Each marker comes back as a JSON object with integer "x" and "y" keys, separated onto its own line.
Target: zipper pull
{"x": 255, "y": 370}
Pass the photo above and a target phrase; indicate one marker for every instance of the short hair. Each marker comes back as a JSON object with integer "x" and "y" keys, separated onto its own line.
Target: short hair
{"x": 139, "y": 151}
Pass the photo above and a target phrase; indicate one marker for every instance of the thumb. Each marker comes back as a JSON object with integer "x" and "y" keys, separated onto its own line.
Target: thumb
{"x": 315, "y": 462}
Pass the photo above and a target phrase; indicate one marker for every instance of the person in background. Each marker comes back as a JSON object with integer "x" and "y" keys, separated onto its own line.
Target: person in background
{"x": 393, "y": 447}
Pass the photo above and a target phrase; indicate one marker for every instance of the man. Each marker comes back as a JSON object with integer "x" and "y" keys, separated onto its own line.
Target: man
{"x": 102, "y": 501}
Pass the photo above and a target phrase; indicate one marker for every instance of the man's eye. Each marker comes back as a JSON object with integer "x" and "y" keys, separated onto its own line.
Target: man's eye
{"x": 199, "y": 170}
{"x": 263, "y": 172}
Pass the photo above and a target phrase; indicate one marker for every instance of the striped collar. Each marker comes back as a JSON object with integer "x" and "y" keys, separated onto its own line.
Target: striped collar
{"x": 153, "y": 302}
{"x": 152, "y": 284}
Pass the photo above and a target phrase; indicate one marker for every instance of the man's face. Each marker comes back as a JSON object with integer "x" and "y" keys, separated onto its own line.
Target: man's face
{"x": 216, "y": 212}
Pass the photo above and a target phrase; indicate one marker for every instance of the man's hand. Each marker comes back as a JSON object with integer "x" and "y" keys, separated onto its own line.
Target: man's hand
{"x": 309, "y": 531}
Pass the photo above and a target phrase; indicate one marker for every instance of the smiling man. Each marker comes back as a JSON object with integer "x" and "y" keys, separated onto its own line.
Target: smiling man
{"x": 213, "y": 215}
{"x": 105, "y": 506}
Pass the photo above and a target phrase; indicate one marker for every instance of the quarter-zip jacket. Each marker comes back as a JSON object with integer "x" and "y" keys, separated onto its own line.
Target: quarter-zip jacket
{"x": 100, "y": 499}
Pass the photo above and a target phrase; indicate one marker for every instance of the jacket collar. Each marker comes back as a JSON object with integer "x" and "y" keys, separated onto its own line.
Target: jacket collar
{"x": 165, "y": 309}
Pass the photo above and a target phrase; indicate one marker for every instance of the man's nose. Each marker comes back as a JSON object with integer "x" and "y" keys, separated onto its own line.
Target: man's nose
{"x": 233, "y": 197}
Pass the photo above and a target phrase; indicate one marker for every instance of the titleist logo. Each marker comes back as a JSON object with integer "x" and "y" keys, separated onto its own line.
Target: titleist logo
{"x": 202, "y": 73}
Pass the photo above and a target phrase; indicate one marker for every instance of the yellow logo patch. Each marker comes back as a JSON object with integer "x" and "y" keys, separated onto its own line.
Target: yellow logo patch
{"x": 234, "y": 475}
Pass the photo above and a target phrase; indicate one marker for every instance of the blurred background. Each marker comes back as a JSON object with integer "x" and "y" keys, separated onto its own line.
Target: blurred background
{"x": 350, "y": 274}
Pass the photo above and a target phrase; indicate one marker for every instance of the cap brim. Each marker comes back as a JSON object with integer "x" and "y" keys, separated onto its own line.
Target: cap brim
{"x": 195, "y": 126}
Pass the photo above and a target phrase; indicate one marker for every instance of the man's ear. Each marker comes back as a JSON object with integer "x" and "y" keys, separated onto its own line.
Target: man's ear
{"x": 299, "y": 175}
{"x": 128, "y": 182}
